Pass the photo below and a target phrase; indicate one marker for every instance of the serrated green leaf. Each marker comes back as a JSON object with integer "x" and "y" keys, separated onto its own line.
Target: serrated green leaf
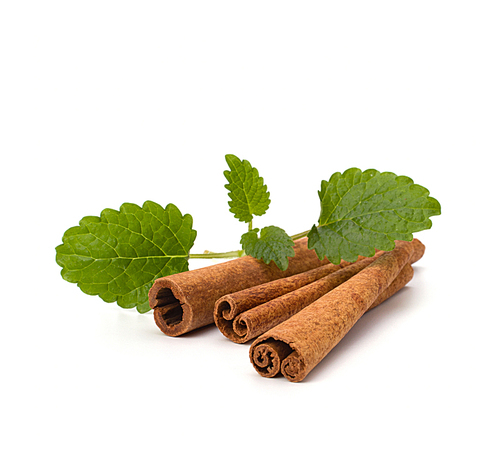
{"x": 366, "y": 210}
{"x": 247, "y": 191}
{"x": 118, "y": 255}
{"x": 273, "y": 244}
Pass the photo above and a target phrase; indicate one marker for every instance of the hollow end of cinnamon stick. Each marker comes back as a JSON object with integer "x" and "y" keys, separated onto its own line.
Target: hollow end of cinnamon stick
{"x": 293, "y": 368}
{"x": 273, "y": 355}
{"x": 224, "y": 315}
{"x": 268, "y": 356}
{"x": 225, "y": 308}
{"x": 240, "y": 327}
{"x": 172, "y": 314}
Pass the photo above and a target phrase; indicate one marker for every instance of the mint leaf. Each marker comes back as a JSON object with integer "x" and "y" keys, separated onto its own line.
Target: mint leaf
{"x": 118, "y": 255}
{"x": 273, "y": 244}
{"x": 364, "y": 211}
{"x": 247, "y": 191}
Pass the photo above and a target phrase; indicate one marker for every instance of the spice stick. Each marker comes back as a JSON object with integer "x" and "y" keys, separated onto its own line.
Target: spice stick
{"x": 268, "y": 355}
{"x": 185, "y": 301}
{"x": 298, "y": 344}
{"x": 241, "y": 326}
{"x": 249, "y": 313}
{"x": 231, "y": 305}
{"x": 402, "y": 279}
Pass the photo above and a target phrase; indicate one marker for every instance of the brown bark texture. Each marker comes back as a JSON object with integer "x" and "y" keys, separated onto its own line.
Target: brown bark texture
{"x": 249, "y": 313}
{"x": 185, "y": 301}
{"x": 295, "y": 346}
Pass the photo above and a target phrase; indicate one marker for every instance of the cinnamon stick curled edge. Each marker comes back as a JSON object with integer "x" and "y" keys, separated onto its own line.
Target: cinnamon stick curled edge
{"x": 185, "y": 301}
{"x": 297, "y": 345}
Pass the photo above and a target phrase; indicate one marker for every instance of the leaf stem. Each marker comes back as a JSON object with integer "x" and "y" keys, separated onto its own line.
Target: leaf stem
{"x": 236, "y": 253}
{"x": 300, "y": 235}
{"x": 207, "y": 254}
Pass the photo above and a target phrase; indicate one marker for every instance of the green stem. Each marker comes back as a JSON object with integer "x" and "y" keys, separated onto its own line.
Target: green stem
{"x": 232, "y": 254}
{"x": 300, "y": 235}
{"x": 237, "y": 253}
{"x": 250, "y": 225}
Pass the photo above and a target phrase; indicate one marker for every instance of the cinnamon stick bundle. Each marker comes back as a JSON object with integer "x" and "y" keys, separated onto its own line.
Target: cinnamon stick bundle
{"x": 249, "y": 313}
{"x": 185, "y": 301}
{"x": 297, "y": 345}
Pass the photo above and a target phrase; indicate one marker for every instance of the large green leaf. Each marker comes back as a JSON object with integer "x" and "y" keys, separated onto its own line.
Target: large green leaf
{"x": 364, "y": 211}
{"x": 119, "y": 254}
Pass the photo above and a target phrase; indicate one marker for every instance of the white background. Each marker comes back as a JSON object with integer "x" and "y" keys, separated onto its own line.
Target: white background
{"x": 105, "y": 102}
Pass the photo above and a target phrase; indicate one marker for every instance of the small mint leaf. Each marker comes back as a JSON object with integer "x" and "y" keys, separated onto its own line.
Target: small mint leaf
{"x": 366, "y": 210}
{"x": 118, "y": 255}
{"x": 247, "y": 191}
{"x": 273, "y": 244}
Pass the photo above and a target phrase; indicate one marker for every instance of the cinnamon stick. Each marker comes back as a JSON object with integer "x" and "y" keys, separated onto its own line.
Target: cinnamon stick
{"x": 402, "y": 279}
{"x": 297, "y": 345}
{"x": 185, "y": 301}
{"x": 239, "y": 320}
{"x": 249, "y": 313}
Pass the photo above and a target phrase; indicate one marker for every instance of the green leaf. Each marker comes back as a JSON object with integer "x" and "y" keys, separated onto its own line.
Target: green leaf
{"x": 118, "y": 255}
{"x": 273, "y": 244}
{"x": 364, "y": 211}
{"x": 247, "y": 191}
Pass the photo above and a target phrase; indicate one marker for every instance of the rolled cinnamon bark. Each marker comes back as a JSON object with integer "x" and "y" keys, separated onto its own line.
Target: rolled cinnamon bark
{"x": 185, "y": 301}
{"x": 251, "y": 312}
{"x": 297, "y": 345}
{"x": 279, "y": 301}
{"x": 402, "y": 279}
{"x": 231, "y": 305}
{"x": 268, "y": 355}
